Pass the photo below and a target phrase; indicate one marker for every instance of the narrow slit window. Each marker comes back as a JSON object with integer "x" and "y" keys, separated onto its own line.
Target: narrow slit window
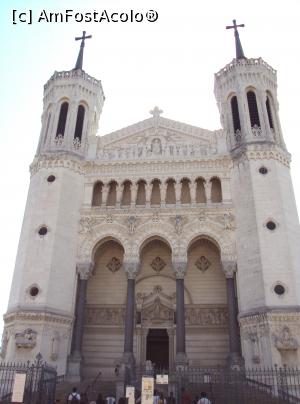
{"x": 253, "y": 110}
{"x": 79, "y": 122}
{"x": 235, "y": 114}
{"x": 268, "y": 105}
{"x": 62, "y": 120}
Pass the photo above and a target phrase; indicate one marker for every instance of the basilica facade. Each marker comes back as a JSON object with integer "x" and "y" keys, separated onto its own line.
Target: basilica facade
{"x": 161, "y": 241}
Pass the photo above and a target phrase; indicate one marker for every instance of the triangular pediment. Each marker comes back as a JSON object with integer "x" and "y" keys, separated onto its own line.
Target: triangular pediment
{"x": 157, "y": 137}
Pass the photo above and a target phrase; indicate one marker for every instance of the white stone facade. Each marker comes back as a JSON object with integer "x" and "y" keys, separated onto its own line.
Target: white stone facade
{"x": 166, "y": 196}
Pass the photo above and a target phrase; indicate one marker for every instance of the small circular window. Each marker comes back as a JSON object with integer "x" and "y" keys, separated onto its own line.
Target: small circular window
{"x": 51, "y": 178}
{"x": 34, "y": 291}
{"x": 43, "y": 231}
{"x": 271, "y": 225}
{"x": 279, "y": 290}
{"x": 263, "y": 170}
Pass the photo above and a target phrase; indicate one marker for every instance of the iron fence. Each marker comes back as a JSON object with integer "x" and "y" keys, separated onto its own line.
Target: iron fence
{"x": 40, "y": 381}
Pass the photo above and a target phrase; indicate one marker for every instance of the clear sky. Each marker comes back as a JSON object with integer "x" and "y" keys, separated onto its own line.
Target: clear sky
{"x": 169, "y": 63}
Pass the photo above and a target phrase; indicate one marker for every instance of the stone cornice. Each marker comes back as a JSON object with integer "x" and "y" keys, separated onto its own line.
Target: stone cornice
{"x": 261, "y": 151}
{"x": 56, "y": 161}
{"x": 270, "y": 314}
{"x": 37, "y": 316}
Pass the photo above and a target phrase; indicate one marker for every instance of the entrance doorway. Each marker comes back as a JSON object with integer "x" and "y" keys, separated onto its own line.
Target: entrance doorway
{"x": 158, "y": 347}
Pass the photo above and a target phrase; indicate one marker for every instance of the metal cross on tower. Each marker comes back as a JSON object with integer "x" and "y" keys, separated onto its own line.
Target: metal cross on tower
{"x": 238, "y": 45}
{"x": 80, "y": 54}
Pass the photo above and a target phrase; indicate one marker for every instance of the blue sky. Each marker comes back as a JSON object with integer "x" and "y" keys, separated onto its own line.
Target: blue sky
{"x": 169, "y": 63}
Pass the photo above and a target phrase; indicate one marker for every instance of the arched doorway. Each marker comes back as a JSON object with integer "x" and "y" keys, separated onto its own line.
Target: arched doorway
{"x": 206, "y": 318}
{"x": 103, "y": 338}
{"x": 155, "y": 304}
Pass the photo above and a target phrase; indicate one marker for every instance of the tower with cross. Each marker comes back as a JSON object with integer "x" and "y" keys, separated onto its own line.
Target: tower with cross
{"x": 262, "y": 193}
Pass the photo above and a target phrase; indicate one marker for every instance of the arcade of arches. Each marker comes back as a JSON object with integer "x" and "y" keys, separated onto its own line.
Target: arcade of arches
{"x": 157, "y": 308}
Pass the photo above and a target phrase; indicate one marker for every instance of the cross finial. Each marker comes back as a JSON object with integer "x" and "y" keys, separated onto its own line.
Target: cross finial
{"x": 156, "y": 112}
{"x": 80, "y": 54}
{"x": 238, "y": 45}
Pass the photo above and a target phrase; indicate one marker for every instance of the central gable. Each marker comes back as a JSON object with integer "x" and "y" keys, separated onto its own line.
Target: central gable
{"x": 157, "y": 137}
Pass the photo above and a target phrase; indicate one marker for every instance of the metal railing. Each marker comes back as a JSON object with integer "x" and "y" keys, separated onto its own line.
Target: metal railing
{"x": 40, "y": 381}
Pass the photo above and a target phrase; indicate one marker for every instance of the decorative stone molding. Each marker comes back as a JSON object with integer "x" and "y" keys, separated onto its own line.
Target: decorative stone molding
{"x": 114, "y": 264}
{"x": 50, "y": 161}
{"x": 30, "y": 316}
{"x": 179, "y": 268}
{"x": 158, "y": 264}
{"x": 131, "y": 268}
{"x": 26, "y": 339}
{"x": 144, "y": 299}
{"x": 229, "y": 268}
{"x": 84, "y": 269}
{"x": 202, "y": 263}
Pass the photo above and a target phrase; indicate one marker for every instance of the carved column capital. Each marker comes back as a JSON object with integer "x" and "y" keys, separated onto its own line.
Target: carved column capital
{"x": 131, "y": 268}
{"x": 229, "y": 268}
{"x": 179, "y": 267}
{"x": 84, "y": 269}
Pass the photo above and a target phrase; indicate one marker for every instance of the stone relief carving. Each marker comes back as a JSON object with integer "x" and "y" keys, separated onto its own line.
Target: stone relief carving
{"x": 86, "y": 224}
{"x": 157, "y": 313}
{"x": 254, "y": 347}
{"x": 206, "y": 316}
{"x": 105, "y": 316}
{"x": 145, "y": 299}
{"x": 84, "y": 269}
{"x": 179, "y": 267}
{"x": 178, "y": 224}
{"x": 202, "y": 263}
{"x": 26, "y": 339}
{"x": 4, "y": 343}
{"x": 285, "y": 341}
{"x": 229, "y": 222}
{"x": 158, "y": 264}
{"x": 155, "y": 217}
{"x": 55, "y": 340}
{"x": 114, "y": 264}
{"x": 109, "y": 218}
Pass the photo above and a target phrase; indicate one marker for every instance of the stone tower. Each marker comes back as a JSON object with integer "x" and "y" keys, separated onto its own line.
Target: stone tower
{"x": 267, "y": 235}
{"x": 41, "y": 305}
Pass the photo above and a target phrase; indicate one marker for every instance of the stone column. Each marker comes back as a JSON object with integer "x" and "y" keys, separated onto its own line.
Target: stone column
{"x": 178, "y": 186}
{"x": 84, "y": 270}
{"x": 131, "y": 267}
{"x": 193, "y": 191}
{"x": 207, "y": 187}
{"x": 105, "y": 190}
{"x": 179, "y": 268}
{"x": 134, "y": 189}
{"x": 229, "y": 268}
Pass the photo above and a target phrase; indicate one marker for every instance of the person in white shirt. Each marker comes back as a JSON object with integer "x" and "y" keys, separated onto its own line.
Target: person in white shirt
{"x": 203, "y": 399}
{"x": 74, "y": 396}
{"x": 110, "y": 399}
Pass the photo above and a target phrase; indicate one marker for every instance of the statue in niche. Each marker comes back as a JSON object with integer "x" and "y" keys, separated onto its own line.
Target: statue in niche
{"x": 178, "y": 224}
{"x": 131, "y": 221}
{"x": 228, "y": 221}
{"x": 156, "y": 146}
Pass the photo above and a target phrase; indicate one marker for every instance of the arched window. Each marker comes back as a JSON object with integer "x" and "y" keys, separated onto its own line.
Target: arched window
{"x": 253, "y": 110}
{"x": 200, "y": 191}
{"x": 216, "y": 190}
{"x": 79, "y": 122}
{"x": 97, "y": 194}
{"x": 170, "y": 193}
{"x": 185, "y": 191}
{"x": 235, "y": 114}
{"x": 61, "y": 126}
{"x": 126, "y": 196}
{"x": 155, "y": 195}
{"x": 141, "y": 193}
{"x": 269, "y": 111}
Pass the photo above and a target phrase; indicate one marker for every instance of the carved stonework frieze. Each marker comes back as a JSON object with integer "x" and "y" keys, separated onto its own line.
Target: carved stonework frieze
{"x": 86, "y": 224}
{"x": 202, "y": 316}
{"x": 144, "y": 299}
{"x": 202, "y": 263}
{"x": 105, "y": 316}
{"x": 158, "y": 264}
{"x": 114, "y": 264}
{"x": 26, "y": 339}
{"x": 285, "y": 341}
